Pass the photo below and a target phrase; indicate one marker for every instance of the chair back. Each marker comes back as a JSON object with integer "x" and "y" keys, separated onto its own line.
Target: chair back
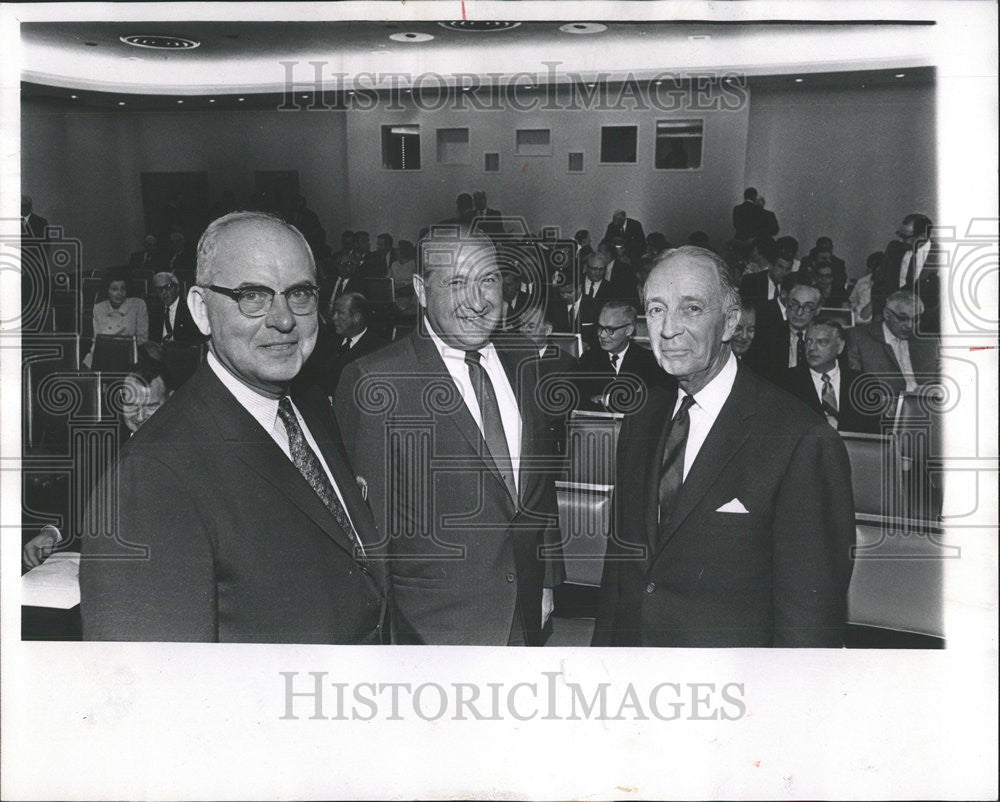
{"x": 114, "y": 353}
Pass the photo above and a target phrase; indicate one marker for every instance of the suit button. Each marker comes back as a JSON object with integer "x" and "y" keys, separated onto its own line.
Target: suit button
{"x": 651, "y": 587}
{"x": 511, "y": 577}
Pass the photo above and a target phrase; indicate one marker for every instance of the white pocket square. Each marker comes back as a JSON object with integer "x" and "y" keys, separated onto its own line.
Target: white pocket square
{"x": 733, "y": 506}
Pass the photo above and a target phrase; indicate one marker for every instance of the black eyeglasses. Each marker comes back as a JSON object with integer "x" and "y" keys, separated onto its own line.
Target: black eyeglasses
{"x": 255, "y": 300}
{"x": 611, "y": 329}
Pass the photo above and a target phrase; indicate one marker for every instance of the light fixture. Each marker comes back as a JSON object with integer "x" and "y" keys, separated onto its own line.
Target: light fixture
{"x": 241, "y": 99}
{"x": 410, "y": 36}
{"x": 583, "y": 27}
{"x": 160, "y": 42}
{"x": 799, "y": 80}
{"x": 900, "y": 74}
{"x": 211, "y": 100}
{"x": 477, "y": 25}
{"x": 121, "y": 102}
{"x": 180, "y": 101}
{"x": 73, "y": 97}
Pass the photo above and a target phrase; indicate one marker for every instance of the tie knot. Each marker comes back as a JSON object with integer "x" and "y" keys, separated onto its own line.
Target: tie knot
{"x": 826, "y": 378}
{"x": 614, "y": 360}
{"x": 799, "y": 334}
{"x": 686, "y": 403}
{"x": 285, "y": 411}
{"x": 473, "y": 358}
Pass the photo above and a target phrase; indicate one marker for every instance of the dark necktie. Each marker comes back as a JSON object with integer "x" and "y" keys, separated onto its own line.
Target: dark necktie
{"x": 614, "y": 362}
{"x": 800, "y": 349}
{"x": 571, "y": 316}
{"x": 593, "y": 289}
{"x": 911, "y": 269}
{"x": 829, "y": 397}
{"x": 308, "y": 464}
{"x": 166, "y": 324}
{"x": 489, "y": 409}
{"x": 672, "y": 467}
{"x": 345, "y": 347}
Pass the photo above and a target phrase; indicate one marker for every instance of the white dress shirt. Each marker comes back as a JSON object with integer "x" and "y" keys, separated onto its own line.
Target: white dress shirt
{"x": 901, "y": 348}
{"x": 171, "y": 315}
{"x": 904, "y": 263}
{"x": 264, "y": 410}
{"x": 617, "y": 366}
{"x": 591, "y": 287}
{"x": 708, "y": 403}
{"x": 834, "y": 374}
{"x": 353, "y": 341}
{"x": 510, "y": 415}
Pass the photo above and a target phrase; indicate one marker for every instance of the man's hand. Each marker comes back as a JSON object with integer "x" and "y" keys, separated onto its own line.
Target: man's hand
{"x": 40, "y": 546}
{"x": 548, "y": 604}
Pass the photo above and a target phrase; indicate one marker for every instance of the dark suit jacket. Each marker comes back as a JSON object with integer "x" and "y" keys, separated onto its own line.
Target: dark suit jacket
{"x": 774, "y": 576}
{"x": 512, "y": 319}
{"x": 185, "y": 330}
{"x": 747, "y": 220}
{"x": 635, "y": 238}
{"x": 36, "y": 226}
{"x": 623, "y": 391}
{"x": 464, "y": 565}
{"x": 928, "y": 285}
{"x": 556, "y": 371}
{"x": 798, "y": 381}
{"x": 868, "y": 352}
{"x": 369, "y": 342}
{"x": 240, "y": 547}
{"x": 768, "y": 353}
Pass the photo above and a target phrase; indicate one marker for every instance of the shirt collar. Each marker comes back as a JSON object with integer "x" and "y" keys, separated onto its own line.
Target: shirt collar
{"x": 621, "y": 354}
{"x": 713, "y": 395}
{"x": 354, "y": 340}
{"x": 833, "y": 373}
{"x": 488, "y": 352}
{"x": 263, "y": 409}
{"x": 890, "y": 338}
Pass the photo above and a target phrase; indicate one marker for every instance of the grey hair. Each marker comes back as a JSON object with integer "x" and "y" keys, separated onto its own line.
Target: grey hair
{"x": 908, "y": 296}
{"x": 631, "y": 313}
{"x": 209, "y": 243}
{"x": 727, "y": 282}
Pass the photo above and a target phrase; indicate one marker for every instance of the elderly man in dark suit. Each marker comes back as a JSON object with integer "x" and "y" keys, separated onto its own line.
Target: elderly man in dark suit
{"x": 446, "y": 429}
{"x": 247, "y": 521}
{"x": 733, "y": 512}
{"x": 32, "y": 225}
{"x": 617, "y": 374}
{"x": 354, "y": 336}
{"x": 912, "y": 262}
{"x": 830, "y": 388}
{"x": 891, "y": 349}
{"x": 170, "y": 320}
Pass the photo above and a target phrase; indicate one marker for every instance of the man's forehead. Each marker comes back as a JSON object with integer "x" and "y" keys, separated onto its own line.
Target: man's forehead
{"x": 803, "y": 291}
{"x": 611, "y": 316}
{"x": 822, "y": 330}
{"x": 684, "y": 274}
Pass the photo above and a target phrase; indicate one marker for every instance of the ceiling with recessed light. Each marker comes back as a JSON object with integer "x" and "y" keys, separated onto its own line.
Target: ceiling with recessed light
{"x": 232, "y": 58}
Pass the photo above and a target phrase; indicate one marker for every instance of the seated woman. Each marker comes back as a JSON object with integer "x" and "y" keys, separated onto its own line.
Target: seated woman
{"x": 401, "y": 272}
{"x": 119, "y": 315}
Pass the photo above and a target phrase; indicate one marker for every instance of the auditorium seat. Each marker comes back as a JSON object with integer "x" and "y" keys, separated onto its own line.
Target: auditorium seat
{"x": 182, "y": 361}
{"x": 114, "y": 353}
{"x": 568, "y": 343}
{"x": 591, "y": 439}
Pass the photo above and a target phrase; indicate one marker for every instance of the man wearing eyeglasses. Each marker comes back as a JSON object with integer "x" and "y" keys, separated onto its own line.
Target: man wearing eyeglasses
{"x": 245, "y": 520}
{"x": 890, "y": 349}
{"x": 171, "y": 320}
{"x": 782, "y": 344}
{"x": 616, "y": 376}
{"x": 912, "y": 262}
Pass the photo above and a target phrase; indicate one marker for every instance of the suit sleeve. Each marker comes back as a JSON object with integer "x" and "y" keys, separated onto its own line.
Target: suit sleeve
{"x": 812, "y": 537}
{"x": 854, "y": 352}
{"x": 166, "y": 594}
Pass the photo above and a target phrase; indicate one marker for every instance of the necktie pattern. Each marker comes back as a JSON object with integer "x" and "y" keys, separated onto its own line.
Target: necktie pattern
{"x": 829, "y": 397}
{"x": 308, "y": 464}
{"x": 672, "y": 467}
{"x": 800, "y": 349}
{"x": 166, "y": 324}
{"x": 489, "y": 408}
{"x": 614, "y": 362}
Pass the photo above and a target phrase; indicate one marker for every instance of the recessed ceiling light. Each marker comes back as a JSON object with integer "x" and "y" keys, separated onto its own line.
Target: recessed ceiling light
{"x": 799, "y": 80}
{"x": 241, "y": 99}
{"x": 701, "y": 37}
{"x": 583, "y": 27}
{"x": 211, "y": 100}
{"x": 180, "y": 101}
{"x": 477, "y": 25}
{"x": 121, "y": 102}
{"x": 900, "y": 74}
{"x": 410, "y": 36}
{"x": 160, "y": 42}
{"x": 73, "y": 97}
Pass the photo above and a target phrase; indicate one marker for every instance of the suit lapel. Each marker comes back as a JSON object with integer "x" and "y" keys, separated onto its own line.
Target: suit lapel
{"x": 879, "y": 336}
{"x": 514, "y": 364}
{"x": 433, "y": 365}
{"x": 258, "y": 451}
{"x": 724, "y": 441}
{"x": 661, "y": 409}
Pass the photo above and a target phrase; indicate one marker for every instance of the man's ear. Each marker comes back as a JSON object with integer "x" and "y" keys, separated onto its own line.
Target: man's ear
{"x": 732, "y": 321}
{"x": 199, "y": 309}
{"x": 420, "y": 289}
{"x": 841, "y": 349}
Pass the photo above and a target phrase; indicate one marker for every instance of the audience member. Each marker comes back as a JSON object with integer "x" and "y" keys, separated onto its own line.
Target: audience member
{"x": 633, "y": 237}
{"x": 614, "y": 375}
{"x": 788, "y": 249}
{"x": 384, "y": 255}
{"x": 170, "y": 320}
{"x": 861, "y": 294}
{"x": 912, "y": 261}
{"x": 779, "y": 342}
{"x": 583, "y": 246}
{"x": 827, "y": 386}
{"x": 890, "y": 349}
{"x": 150, "y": 258}
{"x": 352, "y": 317}
{"x": 745, "y": 329}
{"x": 834, "y": 294}
{"x": 32, "y": 225}
{"x": 748, "y": 217}
{"x": 490, "y": 220}
{"x": 567, "y": 302}
{"x": 555, "y": 366}
{"x": 402, "y": 268}
{"x": 181, "y": 259}
{"x": 768, "y": 222}
{"x": 304, "y": 218}
{"x": 118, "y": 315}
{"x": 513, "y": 300}
{"x": 823, "y": 252}
{"x": 699, "y": 239}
